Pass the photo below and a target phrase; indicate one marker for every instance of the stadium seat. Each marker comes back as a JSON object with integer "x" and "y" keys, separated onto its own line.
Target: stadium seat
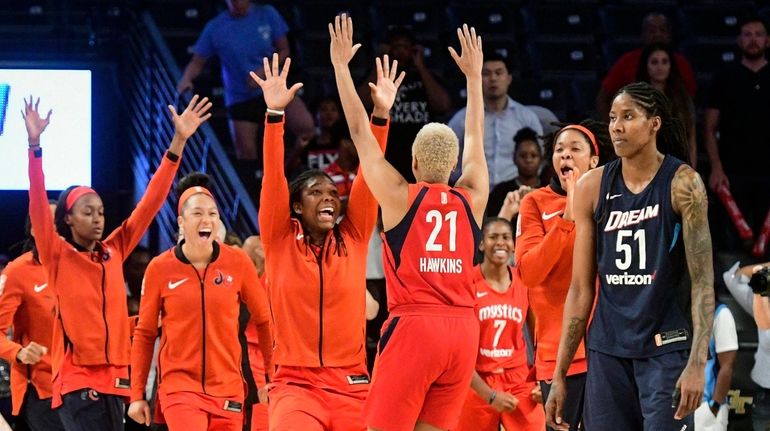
{"x": 180, "y": 15}
{"x": 313, "y": 53}
{"x": 315, "y": 15}
{"x": 711, "y": 21}
{"x": 551, "y": 94}
{"x": 26, "y": 12}
{"x": 494, "y": 20}
{"x": 424, "y": 18}
{"x": 564, "y": 57}
{"x": 708, "y": 57}
{"x": 625, "y": 20}
{"x": 582, "y": 103}
{"x": 559, "y": 20}
{"x": 613, "y": 49}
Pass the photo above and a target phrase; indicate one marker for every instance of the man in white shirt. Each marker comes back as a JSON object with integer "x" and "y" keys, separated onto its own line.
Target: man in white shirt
{"x": 503, "y": 117}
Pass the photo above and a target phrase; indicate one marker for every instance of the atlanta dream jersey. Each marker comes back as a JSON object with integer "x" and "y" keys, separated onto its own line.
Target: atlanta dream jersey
{"x": 428, "y": 256}
{"x": 501, "y": 320}
{"x": 643, "y": 304}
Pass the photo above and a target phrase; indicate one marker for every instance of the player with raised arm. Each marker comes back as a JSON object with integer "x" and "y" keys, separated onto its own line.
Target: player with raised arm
{"x": 316, "y": 275}
{"x": 90, "y": 346}
{"x": 432, "y": 230}
{"x": 639, "y": 221}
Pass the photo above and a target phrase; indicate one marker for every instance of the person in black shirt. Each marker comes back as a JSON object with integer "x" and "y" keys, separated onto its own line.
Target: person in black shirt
{"x": 738, "y": 111}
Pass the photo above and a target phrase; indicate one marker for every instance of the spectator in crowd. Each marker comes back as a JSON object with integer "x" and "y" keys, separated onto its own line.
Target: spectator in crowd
{"x": 736, "y": 136}
{"x": 657, "y": 68}
{"x": 320, "y": 151}
{"x": 343, "y": 170}
{"x": 713, "y": 412}
{"x": 420, "y": 100}
{"x": 133, "y": 272}
{"x": 503, "y": 118}
{"x": 655, "y": 29}
{"x": 241, "y": 36}
{"x": 736, "y": 279}
{"x": 527, "y": 156}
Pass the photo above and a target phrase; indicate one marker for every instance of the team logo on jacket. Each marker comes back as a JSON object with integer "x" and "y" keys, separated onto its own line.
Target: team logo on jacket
{"x": 227, "y": 280}
{"x": 3, "y": 279}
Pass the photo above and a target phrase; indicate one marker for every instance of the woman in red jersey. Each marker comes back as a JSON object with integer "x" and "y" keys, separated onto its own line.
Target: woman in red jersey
{"x": 316, "y": 276}
{"x": 501, "y": 392}
{"x": 545, "y": 235}
{"x": 27, "y": 305}
{"x": 90, "y": 347}
{"x": 196, "y": 288}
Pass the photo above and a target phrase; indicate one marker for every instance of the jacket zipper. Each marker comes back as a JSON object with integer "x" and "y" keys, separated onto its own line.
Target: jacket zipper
{"x": 321, "y": 309}
{"x": 104, "y": 316}
{"x": 203, "y": 320}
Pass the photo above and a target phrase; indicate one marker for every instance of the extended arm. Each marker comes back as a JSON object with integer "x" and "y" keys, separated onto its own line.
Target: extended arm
{"x": 475, "y": 176}
{"x": 688, "y": 195}
{"x": 387, "y": 185}
{"x": 274, "y": 217}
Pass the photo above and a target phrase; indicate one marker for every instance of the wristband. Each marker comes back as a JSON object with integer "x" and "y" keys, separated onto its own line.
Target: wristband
{"x": 275, "y": 112}
{"x": 492, "y": 397}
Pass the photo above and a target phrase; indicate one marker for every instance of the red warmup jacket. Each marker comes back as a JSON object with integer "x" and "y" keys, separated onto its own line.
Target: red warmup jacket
{"x": 199, "y": 309}
{"x": 318, "y": 304}
{"x": 90, "y": 344}
{"x": 26, "y": 304}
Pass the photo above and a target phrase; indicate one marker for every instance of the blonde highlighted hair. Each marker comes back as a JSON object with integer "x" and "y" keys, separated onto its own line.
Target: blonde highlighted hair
{"x": 436, "y": 148}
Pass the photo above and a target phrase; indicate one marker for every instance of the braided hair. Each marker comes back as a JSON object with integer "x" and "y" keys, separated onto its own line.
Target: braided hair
{"x": 296, "y": 186}
{"x": 671, "y": 138}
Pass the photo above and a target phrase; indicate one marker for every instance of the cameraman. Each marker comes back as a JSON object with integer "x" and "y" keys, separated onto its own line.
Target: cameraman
{"x": 737, "y": 280}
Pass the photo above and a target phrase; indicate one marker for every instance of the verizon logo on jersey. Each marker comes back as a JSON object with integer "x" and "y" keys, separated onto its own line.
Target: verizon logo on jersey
{"x": 441, "y": 265}
{"x": 621, "y": 219}
{"x": 626, "y": 279}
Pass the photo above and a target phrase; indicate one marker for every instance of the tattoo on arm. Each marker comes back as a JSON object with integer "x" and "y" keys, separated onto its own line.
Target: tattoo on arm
{"x": 576, "y": 329}
{"x": 689, "y": 199}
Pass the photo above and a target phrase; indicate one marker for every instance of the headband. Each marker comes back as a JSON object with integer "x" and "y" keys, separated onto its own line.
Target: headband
{"x": 76, "y": 194}
{"x": 585, "y": 131}
{"x": 189, "y": 192}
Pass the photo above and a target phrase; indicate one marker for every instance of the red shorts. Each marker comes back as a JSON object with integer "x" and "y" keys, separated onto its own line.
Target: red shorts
{"x": 329, "y": 398}
{"x": 423, "y": 370}
{"x": 189, "y": 411}
{"x": 478, "y": 415}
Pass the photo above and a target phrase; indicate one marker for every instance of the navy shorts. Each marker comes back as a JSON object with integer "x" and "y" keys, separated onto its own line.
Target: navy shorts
{"x": 633, "y": 394}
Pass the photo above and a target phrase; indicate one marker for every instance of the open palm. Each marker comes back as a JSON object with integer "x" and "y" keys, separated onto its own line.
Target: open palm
{"x": 274, "y": 89}
{"x": 471, "y": 56}
{"x": 385, "y": 90}
{"x": 193, "y": 116}
{"x": 32, "y": 120}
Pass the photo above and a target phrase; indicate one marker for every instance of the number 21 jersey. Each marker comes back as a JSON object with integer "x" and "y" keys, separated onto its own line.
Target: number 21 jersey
{"x": 429, "y": 256}
{"x": 644, "y": 290}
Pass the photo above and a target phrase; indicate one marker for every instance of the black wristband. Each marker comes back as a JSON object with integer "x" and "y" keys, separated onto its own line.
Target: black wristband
{"x": 171, "y": 156}
{"x": 272, "y": 118}
{"x": 36, "y": 150}
{"x": 378, "y": 121}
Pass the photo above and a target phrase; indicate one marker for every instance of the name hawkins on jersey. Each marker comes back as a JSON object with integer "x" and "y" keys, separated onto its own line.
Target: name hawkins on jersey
{"x": 441, "y": 265}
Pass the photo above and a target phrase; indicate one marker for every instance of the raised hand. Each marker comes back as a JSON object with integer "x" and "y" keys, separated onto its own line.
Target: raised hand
{"x": 274, "y": 89}
{"x": 342, "y": 49}
{"x": 471, "y": 55}
{"x": 32, "y": 120}
{"x": 193, "y": 116}
{"x": 385, "y": 90}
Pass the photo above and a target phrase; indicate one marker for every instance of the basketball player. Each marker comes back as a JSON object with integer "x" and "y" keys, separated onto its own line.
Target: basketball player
{"x": 421, "y": 375}
{"x": 640, "y": 220}
{"x": 501, "y": 390}
{"x": 545, "y": 238}
{"x": 316, "y": 276}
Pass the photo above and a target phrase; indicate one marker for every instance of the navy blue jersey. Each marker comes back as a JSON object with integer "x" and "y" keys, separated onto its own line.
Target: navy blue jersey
{"x": 644, "y": 289}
